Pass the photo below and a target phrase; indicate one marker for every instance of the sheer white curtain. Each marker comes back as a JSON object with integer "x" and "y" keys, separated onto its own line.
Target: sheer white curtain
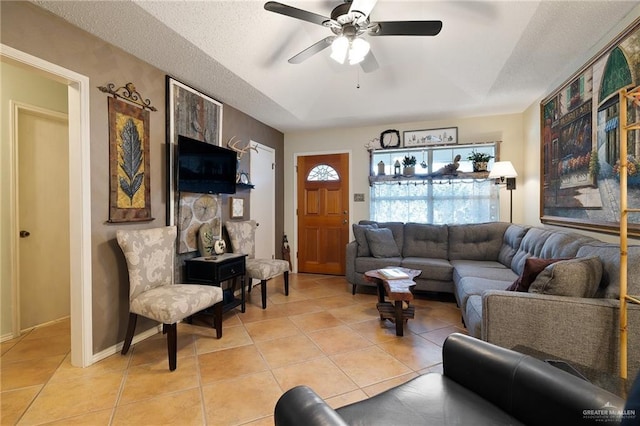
{"x": 455, "y": 201}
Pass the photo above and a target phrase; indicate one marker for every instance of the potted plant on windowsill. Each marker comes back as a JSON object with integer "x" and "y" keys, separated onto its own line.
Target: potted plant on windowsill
{"x": 480, "y": 160}
{"x": 409, "y": 165}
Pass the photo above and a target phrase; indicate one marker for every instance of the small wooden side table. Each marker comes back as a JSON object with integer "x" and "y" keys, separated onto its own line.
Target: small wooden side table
{"x": 213, "y": 270}
{"x": 398, "y": 291}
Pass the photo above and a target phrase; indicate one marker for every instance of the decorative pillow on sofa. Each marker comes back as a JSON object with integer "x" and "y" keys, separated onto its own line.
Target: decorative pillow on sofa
{"x": 381, "y": 242}
{"x": 579, "y": 277}
{"x": 361, "y": 238}
{"x": 532, "y": 267}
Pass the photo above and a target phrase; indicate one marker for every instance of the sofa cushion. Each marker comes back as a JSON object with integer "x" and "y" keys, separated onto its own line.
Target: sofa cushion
{"x": 482, "y": 269}
{"x": 578, "y": 277}
{"x": 532, "y": 268}
{"x": 364, "y": 264}
{"x": 470, "y": 286}
{"x": 432, "y": 269}
{"x": 474, "y": 316}
{"x": 479, "y": 241}
{"x": 609, "y": 254}
{"x": 397, "y": 228}
{"x": 425, "y": 240}
{"x": 531, "y": 245}
{"x": 381, "y": 242}
{"x": 511, "y": 243}
{"x": 361, "y": 238}
{"x": 563, "y": 244}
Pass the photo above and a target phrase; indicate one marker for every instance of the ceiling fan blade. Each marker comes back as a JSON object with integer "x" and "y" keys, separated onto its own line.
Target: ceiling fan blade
{"x": 406, "y": 28}
{"x": 312, "y": 50}
{"x": 283, "y": 9}
{"x": 369, "y": 63}
{"x": 363, "y": 6}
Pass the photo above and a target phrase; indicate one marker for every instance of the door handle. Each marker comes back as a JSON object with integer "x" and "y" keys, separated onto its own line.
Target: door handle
{"x": 24, "y": 234}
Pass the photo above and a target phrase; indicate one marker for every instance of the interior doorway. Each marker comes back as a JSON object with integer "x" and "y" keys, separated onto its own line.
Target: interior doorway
{"x": 79, "y": 173}
{"x": 323, "y": 213}
{"x": 263, "y": 207}
{"x": 43, "y": 215}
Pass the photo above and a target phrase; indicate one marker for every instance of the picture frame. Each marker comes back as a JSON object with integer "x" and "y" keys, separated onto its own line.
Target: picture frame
{"x": 429, "y": 137}
{"x": 237, "y": 207}
{"x": 196, "y": 115}
{"x": 129, "y": 163}
{"x": 580, "y": 141}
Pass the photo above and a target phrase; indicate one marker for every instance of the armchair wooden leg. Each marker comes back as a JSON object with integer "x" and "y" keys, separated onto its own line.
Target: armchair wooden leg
{"x": 217, "y": 318}
{"x": 131, "y": 328}
{"x": 286, "y": 283}
{"x": 172, "y": 344}
{"x": 263, "y": 290}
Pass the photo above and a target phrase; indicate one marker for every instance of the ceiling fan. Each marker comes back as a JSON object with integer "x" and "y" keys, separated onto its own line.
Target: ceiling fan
{"x": 348, "y": 22}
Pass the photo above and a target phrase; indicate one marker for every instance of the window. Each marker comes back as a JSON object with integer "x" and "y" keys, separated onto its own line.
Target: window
{"x": 323, "y": 172}
{"x": 466, "y": 198}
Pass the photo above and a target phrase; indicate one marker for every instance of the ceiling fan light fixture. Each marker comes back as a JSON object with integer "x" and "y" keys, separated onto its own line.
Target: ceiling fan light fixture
{"x": 340, "y": 49}
{"x": 358, "y": 50}
{"x": 355, "y": 49}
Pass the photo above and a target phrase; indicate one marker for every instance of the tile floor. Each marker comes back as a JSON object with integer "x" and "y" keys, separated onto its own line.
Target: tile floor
{"x": 320, "y": 335}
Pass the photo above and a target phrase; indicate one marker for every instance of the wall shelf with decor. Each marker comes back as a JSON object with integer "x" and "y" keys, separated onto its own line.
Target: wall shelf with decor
{"x": 431, "y": 162}
{"x": 426, "y": 179}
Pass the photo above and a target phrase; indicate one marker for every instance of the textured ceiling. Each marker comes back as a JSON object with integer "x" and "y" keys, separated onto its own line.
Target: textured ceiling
{"x": 491, "y": 57}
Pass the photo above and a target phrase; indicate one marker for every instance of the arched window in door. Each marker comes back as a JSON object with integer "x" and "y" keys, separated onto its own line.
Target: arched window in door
{"x": 323, "y": 172}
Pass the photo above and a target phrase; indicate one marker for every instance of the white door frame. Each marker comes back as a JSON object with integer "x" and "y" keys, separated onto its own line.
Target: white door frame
{"x": 79, "y": 202}
{"x": 294, "y": 243}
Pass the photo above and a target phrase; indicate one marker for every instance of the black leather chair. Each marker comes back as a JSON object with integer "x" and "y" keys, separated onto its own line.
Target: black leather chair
{"x": 482, "y": 384}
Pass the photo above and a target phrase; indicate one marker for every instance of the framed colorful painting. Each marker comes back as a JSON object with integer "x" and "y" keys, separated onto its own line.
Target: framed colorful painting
{"x": 580, "y": 141}
{"x": 129, "y": 185}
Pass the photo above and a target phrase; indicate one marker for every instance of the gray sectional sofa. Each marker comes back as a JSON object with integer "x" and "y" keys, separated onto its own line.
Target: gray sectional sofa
{"x": 571, "y": 310}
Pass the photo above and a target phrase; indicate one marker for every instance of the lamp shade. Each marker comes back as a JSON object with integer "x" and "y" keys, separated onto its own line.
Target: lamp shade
{"x": 502, "y": 169}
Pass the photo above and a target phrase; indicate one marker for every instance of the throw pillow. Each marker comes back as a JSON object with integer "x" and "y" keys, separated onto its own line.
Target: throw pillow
{"x": 579, "y": 277}
{"x": 361, "y": 239}
{"x": 532, "y": 267}
{"x": 381, "y": 242}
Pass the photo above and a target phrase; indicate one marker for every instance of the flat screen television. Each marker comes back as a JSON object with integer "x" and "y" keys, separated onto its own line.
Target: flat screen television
{"x": 205, "y": 168}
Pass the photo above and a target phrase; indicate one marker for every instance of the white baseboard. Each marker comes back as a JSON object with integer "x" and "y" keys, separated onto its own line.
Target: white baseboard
{"x": 6, "y": 337}
{"x": 118, "y": 347}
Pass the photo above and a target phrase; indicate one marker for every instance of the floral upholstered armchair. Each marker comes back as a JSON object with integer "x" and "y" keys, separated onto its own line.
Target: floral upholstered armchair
{"x": 242, "y": 236}
{"x": 152, "y": 294}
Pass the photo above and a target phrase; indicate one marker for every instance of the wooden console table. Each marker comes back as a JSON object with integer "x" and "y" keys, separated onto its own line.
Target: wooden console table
{"x": 213, "y": 270}
{"x": 398, "y": 291}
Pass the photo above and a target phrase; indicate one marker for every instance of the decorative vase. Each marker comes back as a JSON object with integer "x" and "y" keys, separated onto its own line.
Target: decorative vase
{"x": 480, "y": 166}
{"x": 409, "y": 170}
{"x": 381, "y": 168}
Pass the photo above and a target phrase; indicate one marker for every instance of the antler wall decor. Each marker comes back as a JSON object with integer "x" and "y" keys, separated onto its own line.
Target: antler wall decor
{"x": 233, "y": 144}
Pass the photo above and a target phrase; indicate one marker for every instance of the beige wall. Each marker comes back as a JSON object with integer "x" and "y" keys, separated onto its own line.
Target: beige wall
{"x": 32, "y": 30}
{"x": 531, "y": 134}
{"x": 505, "y": 128}
{"x": 28, "y": 87}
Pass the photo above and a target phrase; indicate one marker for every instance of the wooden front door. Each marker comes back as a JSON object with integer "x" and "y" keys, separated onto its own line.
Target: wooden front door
{"x": 323, "y": 213}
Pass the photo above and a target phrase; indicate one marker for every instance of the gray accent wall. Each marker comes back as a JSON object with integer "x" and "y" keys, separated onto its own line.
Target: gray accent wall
{"x": 37, "y": 32}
